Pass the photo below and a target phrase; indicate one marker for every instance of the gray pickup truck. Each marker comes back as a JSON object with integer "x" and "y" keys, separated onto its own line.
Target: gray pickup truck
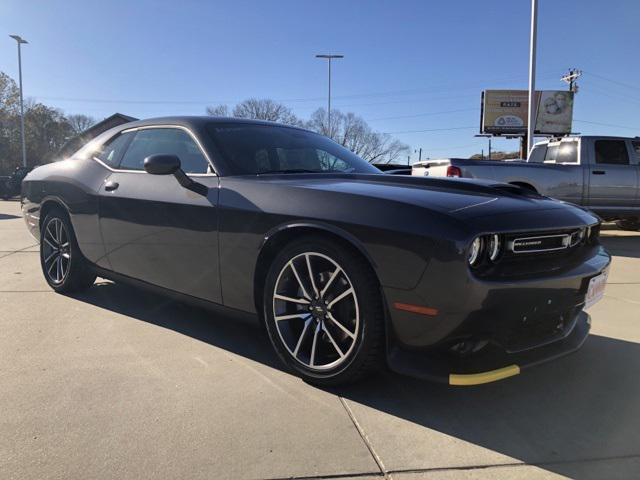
{"x": 600, "y": 173}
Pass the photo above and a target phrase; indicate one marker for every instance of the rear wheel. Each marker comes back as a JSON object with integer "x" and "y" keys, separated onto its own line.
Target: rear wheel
{"x": 632, "y": 225}
{"x": 323, "y": 312}
{"x": 63, "y": 266}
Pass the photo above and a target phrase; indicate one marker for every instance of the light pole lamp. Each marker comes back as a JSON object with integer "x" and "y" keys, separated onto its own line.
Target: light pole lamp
{"x": 329, "y": 57}
{"x": 19, "y": 40}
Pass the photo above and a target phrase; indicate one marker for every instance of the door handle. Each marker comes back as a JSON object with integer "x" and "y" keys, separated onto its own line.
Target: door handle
{"x": 598, "y": 172}
{"x": 111, "y": 186}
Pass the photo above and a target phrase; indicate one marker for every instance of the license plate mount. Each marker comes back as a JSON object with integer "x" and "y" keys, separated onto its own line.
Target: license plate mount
{"x": 595, "y": 291}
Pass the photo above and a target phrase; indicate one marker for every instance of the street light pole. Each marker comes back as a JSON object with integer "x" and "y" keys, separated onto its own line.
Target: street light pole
{"x": 329, "y": 57}
{"x": 19, "y": 40}
{"x": 532, "y": 76}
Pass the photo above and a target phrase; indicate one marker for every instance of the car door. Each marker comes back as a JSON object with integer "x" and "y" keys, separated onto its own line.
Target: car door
{"x": 563, "y": 174}
{"x": 154, "y": 229}
{"x": 613, "y": 175}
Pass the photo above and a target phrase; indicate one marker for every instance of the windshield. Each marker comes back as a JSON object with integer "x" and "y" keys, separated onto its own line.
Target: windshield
{"x": 251, "y": 149}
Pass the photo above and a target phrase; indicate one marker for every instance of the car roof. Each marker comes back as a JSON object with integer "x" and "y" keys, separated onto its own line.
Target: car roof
{"x": 194, "y": 121}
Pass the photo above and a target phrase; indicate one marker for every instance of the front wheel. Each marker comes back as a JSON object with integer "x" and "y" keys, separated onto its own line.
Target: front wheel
{"x": 323, "y": 312}
{"x": 63, "y": 266}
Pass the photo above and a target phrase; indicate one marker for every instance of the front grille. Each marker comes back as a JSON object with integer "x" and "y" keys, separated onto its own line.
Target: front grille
{"x": 542, "y": 244}
{"x": 537, "y": 244}
{"x": 538, "y": 253}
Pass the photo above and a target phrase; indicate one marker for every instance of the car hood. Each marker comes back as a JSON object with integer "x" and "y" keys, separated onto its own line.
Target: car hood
{"x": 462, "y": 198}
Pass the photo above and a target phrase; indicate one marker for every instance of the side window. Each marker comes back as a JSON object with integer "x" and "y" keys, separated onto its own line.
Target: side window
{"x": 170, "y": 141}
{"x": 538, "y": 153}
{"x": 568, "y": 152}
{"x": 111, "y": 152}
{"x": 636, "y": 148}
{"x": 611, "y": 152}
{"x": 552, "y": 153}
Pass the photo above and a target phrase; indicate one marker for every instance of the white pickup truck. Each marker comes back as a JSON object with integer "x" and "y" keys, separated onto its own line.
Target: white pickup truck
{"x": 600, "y": 173}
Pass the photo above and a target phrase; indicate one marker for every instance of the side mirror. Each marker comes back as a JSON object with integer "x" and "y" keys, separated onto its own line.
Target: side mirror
{"x": 161, "y": 164}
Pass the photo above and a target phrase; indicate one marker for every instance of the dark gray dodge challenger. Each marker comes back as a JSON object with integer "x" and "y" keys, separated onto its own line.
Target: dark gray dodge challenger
{"x": 348, "y": 268}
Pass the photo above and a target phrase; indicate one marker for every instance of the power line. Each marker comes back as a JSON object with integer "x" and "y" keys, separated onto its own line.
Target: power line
{"x": 627, "y": 85}
{"x": 614, "y": 95}
{"x": 431, "y": 130}
{"x": 425, "y": 114}
{"x": 435, "y": 89}
{"x": 204, "y": 103}
{"x": 606, "y": 124}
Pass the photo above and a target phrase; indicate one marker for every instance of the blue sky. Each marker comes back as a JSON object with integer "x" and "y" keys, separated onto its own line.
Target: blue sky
{"x": 409, "y": 65}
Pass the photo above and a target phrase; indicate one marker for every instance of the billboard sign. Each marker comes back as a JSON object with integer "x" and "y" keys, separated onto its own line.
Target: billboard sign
{"x": 506, "y": 112}
{"x": 555, "y": 112}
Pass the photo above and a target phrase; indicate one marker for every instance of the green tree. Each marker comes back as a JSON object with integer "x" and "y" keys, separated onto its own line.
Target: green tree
{"x": 9, "y": 114}
{"x": 46, "y": 129}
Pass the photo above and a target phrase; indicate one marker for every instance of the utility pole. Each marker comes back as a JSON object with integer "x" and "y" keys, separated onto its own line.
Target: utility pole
{"x": 489, "y": 138}
{"x": 329, "y": 57}
{"x": 571, "y": 78}
{"x": 20, "y": 41}
{"x": 532, "y": 76}
{"x": 419, "y": 151}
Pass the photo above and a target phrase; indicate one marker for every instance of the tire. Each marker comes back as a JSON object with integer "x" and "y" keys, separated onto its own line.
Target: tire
{"x": 63, "y": 265}
{"x": 341, "y": 312}
{"x": 632, "y": 225}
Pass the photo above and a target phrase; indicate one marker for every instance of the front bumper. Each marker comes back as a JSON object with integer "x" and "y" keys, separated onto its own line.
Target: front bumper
{"x": 489, "y": 365}
{"x": 510, "y": 322}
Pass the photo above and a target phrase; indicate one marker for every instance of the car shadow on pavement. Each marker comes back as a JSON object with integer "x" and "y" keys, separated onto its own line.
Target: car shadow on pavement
{"x": 584, "y": 406}
{"x": 6, "y": 216}
{"x": 237, "y": 335}
{"x": 580, "y": 407}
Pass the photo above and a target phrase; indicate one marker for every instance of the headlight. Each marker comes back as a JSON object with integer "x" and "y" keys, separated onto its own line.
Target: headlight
{"x": 475, "y": 251}
{"x": 485, "y": 247}
{"x": 494, "y": 247}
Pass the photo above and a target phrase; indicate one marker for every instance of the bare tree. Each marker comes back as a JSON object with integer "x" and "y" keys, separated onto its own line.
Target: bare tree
{"x": 258, "y": 109}
{"x": 348, "y": 129}
{"x": 352, "y": 132}
{"x": 79, "y": 123}
{"x": 218, "y": 111}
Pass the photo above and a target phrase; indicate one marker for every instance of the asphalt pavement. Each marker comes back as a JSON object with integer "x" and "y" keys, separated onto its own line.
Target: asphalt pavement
{"x": 119, "y": 383}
